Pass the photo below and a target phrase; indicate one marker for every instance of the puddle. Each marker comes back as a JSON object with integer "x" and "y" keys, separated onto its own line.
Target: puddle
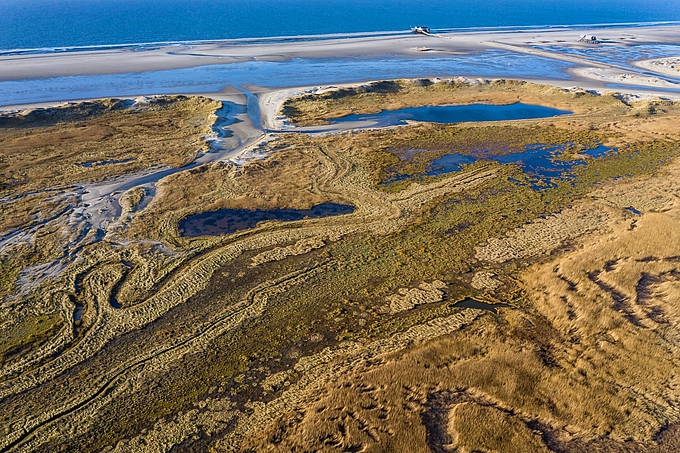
{"x": 539, "y": 161}
{"x": 226, "y": 221}
{"x": 632, "y": 210}
{"x": 448, "y": 164}
{"x": 114, "y": 302}
{"x": 455, "y": 114}
{"x": 78, "y": 312}
{"x": 472, "y": 303}
{"x": 598, "y": 152}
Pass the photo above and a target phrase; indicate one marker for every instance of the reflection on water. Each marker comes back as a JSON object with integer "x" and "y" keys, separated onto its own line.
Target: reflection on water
{"x": 455, "y": 114}
{"x": 540, "y": 162}
{"x": 448, "y": 164}
{"x": 225, "y": 221}
{"x": 600, "y": 151}
{"x": 78, "y": 312}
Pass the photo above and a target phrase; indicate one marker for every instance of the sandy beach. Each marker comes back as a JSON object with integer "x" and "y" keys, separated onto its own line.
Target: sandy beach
{"x": 165, "y": 57}
{"x": 667, "y": 66}
{"x": 553, "y": 56}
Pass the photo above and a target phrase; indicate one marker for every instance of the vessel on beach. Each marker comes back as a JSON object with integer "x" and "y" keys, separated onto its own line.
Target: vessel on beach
{"x": 420, "y": 29}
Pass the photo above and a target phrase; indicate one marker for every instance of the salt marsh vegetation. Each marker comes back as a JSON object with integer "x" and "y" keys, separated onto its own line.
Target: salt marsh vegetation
{"x": 342, "y": 333}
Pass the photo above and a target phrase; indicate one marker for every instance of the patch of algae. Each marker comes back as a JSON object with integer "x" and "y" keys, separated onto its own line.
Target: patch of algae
{"x": 278, "y": 338}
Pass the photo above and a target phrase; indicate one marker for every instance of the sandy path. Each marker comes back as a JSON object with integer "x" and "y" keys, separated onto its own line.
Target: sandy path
{"x": 624, "y": 77}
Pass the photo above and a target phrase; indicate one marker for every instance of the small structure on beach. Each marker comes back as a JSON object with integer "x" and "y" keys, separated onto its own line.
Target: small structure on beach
{"x": 589, "y": 39}
{"x": 420, "y": 29}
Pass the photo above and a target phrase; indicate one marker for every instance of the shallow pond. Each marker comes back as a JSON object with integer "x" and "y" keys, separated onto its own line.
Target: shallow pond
{"x": 541, "y": 163}
{"x": 226, "y": 221}
{"x": 455, "y": 114}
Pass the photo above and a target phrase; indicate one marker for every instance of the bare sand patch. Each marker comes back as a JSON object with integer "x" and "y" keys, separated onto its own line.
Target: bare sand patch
{"x": 544, "y": 235}
{"x": 408, "y": 298}
{"x": 624, "y": 78}
{"x": 668, "y": 66}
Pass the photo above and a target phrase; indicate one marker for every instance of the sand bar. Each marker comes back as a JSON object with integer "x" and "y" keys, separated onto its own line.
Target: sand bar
{"x": 165, "y": 57}
{"x": 553, "y": 56}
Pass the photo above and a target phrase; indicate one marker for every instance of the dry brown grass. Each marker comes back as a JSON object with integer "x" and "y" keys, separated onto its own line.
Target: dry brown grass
{"x": 294, "y": 177}
{"x": 34, "y": 208}
{"x": 49, "y": 147}
{"x": 371, "y": 98}
{"x": 30, "y": 331}
{"x": 281, "y": 338}
{"x": 589, "y": 365}
{"x": 474, "y": 427}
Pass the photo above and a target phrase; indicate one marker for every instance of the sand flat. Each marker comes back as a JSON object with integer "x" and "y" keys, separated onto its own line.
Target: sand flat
{"x": 164, "y": 57}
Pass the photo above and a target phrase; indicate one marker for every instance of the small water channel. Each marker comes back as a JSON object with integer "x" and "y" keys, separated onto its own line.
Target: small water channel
{"x": 455, "y": 114}
{"x": 226, "y": 221}
{"x": 472, "y": 303}
{"x": 624, "y": 55}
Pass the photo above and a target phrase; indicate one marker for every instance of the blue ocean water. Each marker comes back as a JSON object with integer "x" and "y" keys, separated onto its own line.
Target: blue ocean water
{"x": 31, "y": 24}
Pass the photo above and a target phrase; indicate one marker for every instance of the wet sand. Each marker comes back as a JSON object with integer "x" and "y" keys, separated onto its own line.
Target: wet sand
{"x": 164, "y": 57}
{"x": 667, "y": 66}
{"x": 641, "y": 79}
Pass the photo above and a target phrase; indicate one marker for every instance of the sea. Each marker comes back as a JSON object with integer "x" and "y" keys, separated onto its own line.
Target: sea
{"x": 59, "y": 25}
